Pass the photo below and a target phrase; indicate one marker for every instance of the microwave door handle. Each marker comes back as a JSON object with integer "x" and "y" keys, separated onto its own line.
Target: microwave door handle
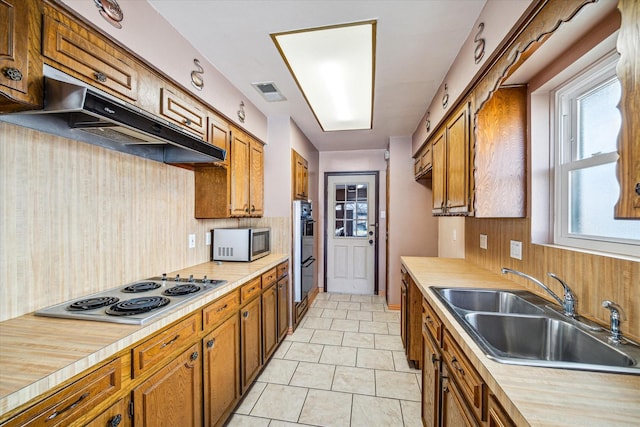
{"x": 306, "y": 263}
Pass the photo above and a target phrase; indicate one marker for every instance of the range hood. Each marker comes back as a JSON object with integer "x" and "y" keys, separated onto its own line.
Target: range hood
{"x": 77, "y": 111}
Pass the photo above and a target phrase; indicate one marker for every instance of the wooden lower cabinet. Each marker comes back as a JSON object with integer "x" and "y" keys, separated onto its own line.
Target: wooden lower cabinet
{"x": 431, "y": 360}
{"x": 221, "y": 352}
{"x": 403, "y": 310}
{"x": 283, "y": 307}
{"x": 116, "y": 416}
{"x": 496, "y": 416}
{"x": 269, "y": 321}
{"x": 410, "y": 320}
{"x": 250, "y": 342}
{"x": 455, "y": 411}
{"x": 173, "y": 395}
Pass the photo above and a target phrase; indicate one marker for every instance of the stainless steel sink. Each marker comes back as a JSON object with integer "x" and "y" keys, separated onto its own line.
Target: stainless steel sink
{"x": 519, "y": 327}
{"x": 492, "y": 301}
{"x": 544, "y": 339}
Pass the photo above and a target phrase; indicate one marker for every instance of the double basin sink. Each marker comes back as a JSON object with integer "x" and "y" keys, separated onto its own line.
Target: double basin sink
{"x": 518, "y": 327}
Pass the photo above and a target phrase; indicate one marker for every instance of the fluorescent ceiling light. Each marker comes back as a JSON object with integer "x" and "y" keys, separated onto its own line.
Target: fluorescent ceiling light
{"x": 334, "y": 68}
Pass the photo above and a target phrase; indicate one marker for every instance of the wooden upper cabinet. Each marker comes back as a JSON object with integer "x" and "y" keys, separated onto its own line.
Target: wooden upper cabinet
{"x": 439, "y": 172}
{"x": 240, "y": 179}
{"x": 87, "y": 56}
{"x": 628, "y": 169}
{"x": 219, "y": 135}
{"x": 20, "y": 60}
{"x": 300, "y": 176}
{"x": 500, "y": 155}
{"x": 423, "y": 162}
{"x": 184, "y": 113}
{"x": 256, "y": 180}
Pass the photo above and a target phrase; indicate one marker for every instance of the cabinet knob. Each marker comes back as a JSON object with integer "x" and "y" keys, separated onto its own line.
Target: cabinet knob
{"x": 245, "y": 314}
{"x": 187, "y": 122}
{"x": 253, "y": 208}
{"x": 211, "y": 342}
{"x": 101, "y": 77}
{"x": 638, "y": 188}
{"x": 194, "y": 355}
{"x": 12, "y": 74}
{"x": 115, "y": 421}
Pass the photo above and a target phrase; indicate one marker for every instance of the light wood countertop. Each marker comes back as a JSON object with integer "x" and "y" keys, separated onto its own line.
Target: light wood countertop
{"x": 39, "y": 353}
{"x": 531, "y": 395}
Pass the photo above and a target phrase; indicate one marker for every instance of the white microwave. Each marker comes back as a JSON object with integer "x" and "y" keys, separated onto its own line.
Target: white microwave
{"x": 240, "y": 244}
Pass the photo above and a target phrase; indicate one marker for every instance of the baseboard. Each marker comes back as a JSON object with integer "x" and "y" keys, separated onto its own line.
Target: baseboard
{"x": 393, "y": 306}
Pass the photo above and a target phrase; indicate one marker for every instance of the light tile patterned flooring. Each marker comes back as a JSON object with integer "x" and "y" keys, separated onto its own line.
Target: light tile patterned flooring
{"x": 344, "y": 366}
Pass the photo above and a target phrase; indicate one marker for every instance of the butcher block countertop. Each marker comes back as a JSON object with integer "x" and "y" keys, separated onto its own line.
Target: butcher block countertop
{"x": 530, "y": 395}
{"x": 39, "y": 353}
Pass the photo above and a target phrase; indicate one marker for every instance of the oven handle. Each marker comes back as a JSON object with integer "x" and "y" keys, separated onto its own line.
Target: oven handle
{"x": 307, "y": 262}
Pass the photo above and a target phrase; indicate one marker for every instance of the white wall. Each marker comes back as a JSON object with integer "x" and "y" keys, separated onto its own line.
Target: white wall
{"x": 413, "y": 231}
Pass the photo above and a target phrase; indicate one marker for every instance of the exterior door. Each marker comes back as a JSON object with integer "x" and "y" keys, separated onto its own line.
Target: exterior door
{"x": 351, "y": 233}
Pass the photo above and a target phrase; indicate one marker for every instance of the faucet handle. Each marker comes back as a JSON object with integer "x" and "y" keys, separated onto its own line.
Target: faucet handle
{"x": 617, "y": 316}
{"x": 568, "y": 293}
{"x": 569, "y": 298}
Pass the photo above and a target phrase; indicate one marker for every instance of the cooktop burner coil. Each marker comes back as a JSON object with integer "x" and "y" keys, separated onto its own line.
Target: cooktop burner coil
{"x": 135, "y": 306}
{"x": 141, "y": 287}
{"x": 182, "y": 290}
{"x": 92, "y": 303}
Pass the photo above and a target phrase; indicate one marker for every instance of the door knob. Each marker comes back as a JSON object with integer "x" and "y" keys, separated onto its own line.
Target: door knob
{"x": 371, "y": 241}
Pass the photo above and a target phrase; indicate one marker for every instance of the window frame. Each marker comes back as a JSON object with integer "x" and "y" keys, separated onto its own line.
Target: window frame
{"x": 563, "y": 113}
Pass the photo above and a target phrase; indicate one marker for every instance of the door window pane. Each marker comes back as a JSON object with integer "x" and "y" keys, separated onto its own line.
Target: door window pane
{"x": 340, "y": 192}
{"x": 355, "y": 208}
{"x": 339, "y": 230}
{"x": 351, "y": 193}
{"x": 339, "y": 210}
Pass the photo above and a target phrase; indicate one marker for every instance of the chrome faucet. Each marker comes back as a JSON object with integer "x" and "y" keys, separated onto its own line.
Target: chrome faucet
{"x": 568, "y": 303}
{"x": 616, "y": 317}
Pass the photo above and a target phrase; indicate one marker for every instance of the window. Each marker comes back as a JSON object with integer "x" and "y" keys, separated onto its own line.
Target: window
{"x": 352, "y": 210}
{"x": 586, "y": 188}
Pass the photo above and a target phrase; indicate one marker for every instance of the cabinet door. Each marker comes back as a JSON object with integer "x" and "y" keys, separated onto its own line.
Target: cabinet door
{"x": 20, "y": 61}
{"x": 403, "y": 313}
{"x": 240, "y": 151}
{"x": 430, "y": 381}
{"x": 172, "y": 396}
{"x": 457, "y": 161}
{"x": 283, "y": 307}
{"x": 256, "y": 173}
{"x": 221, "y": 371}
{"x": 90, "y": 58}
{"x": 496, "y": 416}
{"x": 438, "y": 173}
{"x": 218, "y": 135}
{"x": 116, "y": 416}
{"x": 455, "y": 412}
{"x": 184, "y": 113}
{"x": 269, "y": 321}
{"x": 250, "y": 342}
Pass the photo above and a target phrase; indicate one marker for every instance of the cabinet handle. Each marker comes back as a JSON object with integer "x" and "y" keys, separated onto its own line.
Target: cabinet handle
{"x": 222, "y": 308}
{"x": 434, "y": 358}
{"x": 115, "y": 421}
{"x": 211, "y": 342}
{"x": 187, "y": 121}
{"x": 253, "y": 208}
{"x": 101, "y": 77}
{"x": 73, "y": 405}
{"x": 12, "y": 74}
{"x": 245, "y": 314}
{"x": 168, "y": 343}
{"x": 194, "y": 355}
{"x": 430, "y": 320}
{"x": 456, "y": 365}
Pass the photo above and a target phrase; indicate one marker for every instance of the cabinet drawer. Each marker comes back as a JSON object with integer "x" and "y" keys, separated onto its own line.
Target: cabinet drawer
{"x": 250, "y": 289}
{"x": 78, "y": 398}
{"x": 148, "y": 355}
{"x": 116, "y": 415}
{"x": 282, "y": 269}
{"x": 269, "y": 278}
{"x": 90, "y": 58}
{"x": 183, "y": 113}
{"x": 432, "y": 322}
{"x": 218, "y": 310}
{"x": 470, "y": 383}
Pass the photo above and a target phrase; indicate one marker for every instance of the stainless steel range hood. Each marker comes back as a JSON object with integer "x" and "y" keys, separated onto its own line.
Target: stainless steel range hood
{"x": 76, "y": 111}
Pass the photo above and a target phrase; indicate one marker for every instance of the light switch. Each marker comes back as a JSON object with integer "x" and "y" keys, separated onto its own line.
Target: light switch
{"x": 207, "y": 239}
{"x": 516, "y": 249}
{"x": 192, "y": 241}
{"x": 483, "y": 241}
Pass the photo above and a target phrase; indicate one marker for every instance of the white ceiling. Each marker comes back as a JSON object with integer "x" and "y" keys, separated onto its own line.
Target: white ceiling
{"x": 417, "y": 41}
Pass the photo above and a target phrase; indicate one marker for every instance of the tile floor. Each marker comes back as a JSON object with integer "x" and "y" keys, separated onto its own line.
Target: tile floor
{"x": 344, "y": 366}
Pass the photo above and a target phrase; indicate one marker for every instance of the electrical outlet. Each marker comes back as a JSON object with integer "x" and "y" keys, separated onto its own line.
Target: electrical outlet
{"x": 192, "y": 241}
{"x": 483, "y": 241}
{"x": 207, "y": 239}
{"x": 516, "y": 249}
{"x": 455, "y": 235}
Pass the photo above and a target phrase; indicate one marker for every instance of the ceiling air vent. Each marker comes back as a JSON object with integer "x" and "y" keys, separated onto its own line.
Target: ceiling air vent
{"x": 269, "y": 91}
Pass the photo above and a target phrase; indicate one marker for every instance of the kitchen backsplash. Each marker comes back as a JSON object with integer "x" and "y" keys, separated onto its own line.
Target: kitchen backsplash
{"x": 592, "y": 277}
{"x": 78, "y": 219}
